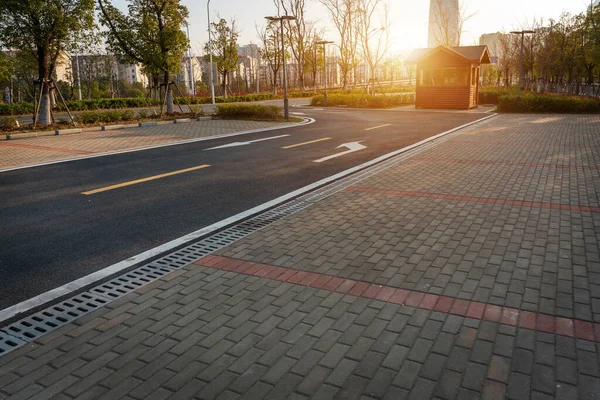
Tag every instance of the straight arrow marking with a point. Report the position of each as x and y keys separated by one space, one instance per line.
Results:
x=237 y=144
x=352 y=147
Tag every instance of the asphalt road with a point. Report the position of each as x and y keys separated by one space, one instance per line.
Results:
x=52 y=233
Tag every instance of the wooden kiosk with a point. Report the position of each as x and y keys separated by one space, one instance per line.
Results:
x=448 y=78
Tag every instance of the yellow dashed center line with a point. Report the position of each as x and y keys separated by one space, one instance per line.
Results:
x=305 y=143
x=150 y=178
x=377 y=127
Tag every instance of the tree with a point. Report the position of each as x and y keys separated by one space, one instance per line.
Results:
x=343 y=14
x=449 y=24
x=224 y=49
x=150 y=34
x=45 y=29
x=375 y=39
x=271 y=49
x=298 y=34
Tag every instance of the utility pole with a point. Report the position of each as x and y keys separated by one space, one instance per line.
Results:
x=522 y=33
x=286 y=107
x=324 y=43
x=212 y=77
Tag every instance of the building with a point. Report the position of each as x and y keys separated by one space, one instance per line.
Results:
x=95 y=66
x=443 y=23
x=492 y=41
x=448 y=78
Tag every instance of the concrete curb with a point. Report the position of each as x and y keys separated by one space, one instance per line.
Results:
x=111 y=127
x=145 y=124
x=13 y=136
x=182 y=121
x=68 y=131
x=204 y=118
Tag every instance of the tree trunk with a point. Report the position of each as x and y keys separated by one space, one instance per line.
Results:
x=224 y=84
x=168 y=94
x=45 y=116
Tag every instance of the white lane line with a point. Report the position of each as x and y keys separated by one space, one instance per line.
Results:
x=307 y=121
x=140 y=258
x=378 y=127
x=298 y=113
x=238 y=144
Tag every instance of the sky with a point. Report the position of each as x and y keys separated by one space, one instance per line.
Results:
x=408 y=17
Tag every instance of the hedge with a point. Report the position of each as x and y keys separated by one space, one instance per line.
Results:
x=93 y=117
x=257 y=112
x=366 y=101
x=531 y=103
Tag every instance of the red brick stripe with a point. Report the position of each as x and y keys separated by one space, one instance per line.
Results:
x=517 y=143
x=472 y=309
x=505 y=163
x=45 y=148
x=517 y=203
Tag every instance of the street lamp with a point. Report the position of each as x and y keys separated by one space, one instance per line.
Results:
x=522 y=33
x=192 y=83
x=212 y=78
x=286 y=107
x=324 y=43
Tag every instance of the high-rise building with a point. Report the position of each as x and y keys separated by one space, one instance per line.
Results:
x=443 y=23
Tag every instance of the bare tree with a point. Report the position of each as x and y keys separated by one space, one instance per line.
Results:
x=271 y=49
x=374 y=34
x=297 y=34
x=344 y=15
x=449 y=22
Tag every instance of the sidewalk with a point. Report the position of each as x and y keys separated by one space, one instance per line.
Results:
x=469 y=271
x=22 y=152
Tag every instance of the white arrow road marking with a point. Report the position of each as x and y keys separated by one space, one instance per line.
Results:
x=237 y=144
x=352 y=147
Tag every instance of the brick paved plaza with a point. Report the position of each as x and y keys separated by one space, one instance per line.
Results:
x=469 y=271
x=21 y=152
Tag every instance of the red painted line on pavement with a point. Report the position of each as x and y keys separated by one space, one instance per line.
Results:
x=517 y=203
x=472 y=309
x=28 y=146
x=505 y=163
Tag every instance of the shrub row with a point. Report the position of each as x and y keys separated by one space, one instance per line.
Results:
x=249 y=111
x=16 y=108
x=531 y=103
x=367 y=101
x=93 y=117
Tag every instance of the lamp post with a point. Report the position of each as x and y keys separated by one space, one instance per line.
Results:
x=286 y=108
x=192 y=83
x=522 y=33
x=212 y=77
x=324 y=43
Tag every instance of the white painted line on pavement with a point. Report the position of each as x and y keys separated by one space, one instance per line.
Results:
x=238 y=144
x=140 y=258
x=352 y=147
x=307 y=121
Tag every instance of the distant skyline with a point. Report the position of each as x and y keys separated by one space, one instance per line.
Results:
x=409 y=18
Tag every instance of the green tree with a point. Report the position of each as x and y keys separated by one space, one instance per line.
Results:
x=44 y=28
x=224 y=49
x=150 y=34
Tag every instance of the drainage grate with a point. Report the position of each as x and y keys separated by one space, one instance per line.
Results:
x=28 y=329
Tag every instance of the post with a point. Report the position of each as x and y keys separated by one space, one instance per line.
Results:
x=325 y=75
x=78 y=77
x=521 y=65
x=286 y=105
x=212 y=78
x=192 y=83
